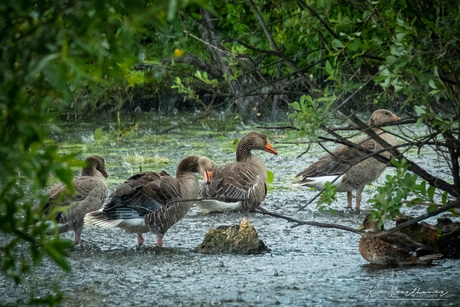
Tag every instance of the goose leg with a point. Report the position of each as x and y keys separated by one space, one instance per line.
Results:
x=349 y=199
x=140 y=240
x=78 y=232
x=359 y=192
x=160 y=240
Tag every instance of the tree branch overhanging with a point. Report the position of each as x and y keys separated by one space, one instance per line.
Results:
x=362 y=233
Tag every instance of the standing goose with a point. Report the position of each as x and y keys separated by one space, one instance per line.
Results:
x=394 y=248
x=340 y=164
x=246 y=179
x=148 y=201
x=68 y=210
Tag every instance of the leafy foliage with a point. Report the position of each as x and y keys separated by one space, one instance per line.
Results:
x=389 y=198
x=50 y=51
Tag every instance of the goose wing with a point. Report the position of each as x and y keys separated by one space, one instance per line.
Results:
x=141 y=194
x=235 y=181
x=339 y=161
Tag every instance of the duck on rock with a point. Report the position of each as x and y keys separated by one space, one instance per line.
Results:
x=69 y=209
x=348 y=168
x=153 y=202
x=241 y=185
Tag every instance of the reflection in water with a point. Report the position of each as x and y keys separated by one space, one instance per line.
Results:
x=307 y=265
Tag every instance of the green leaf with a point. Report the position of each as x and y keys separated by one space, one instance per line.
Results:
x=431 y=208
x=295 y=105
x=431 y=191
x=444 y=198
x=329 y=68
x=270 y=177
x=337 y=44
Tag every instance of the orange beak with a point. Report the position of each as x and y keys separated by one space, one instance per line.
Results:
x=207 y=176
x=270 y=149
x=396 y=117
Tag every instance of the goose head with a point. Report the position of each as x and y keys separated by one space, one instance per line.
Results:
x=382 y=116
x=206 y=168
x=255 y=140
x=92 y=164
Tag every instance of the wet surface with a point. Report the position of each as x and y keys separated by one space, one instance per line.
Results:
x=306 y=265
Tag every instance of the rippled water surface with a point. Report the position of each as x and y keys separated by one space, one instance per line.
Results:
x=306 y=266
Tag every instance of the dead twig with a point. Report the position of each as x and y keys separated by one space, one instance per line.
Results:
x=362 y=233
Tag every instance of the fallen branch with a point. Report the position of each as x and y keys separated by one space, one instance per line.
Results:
x=362 y=233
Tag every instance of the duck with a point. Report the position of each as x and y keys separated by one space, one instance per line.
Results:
x=340 y=167
x=393 y=249
x=241 y=185
x=68 y=209
x=153 y=202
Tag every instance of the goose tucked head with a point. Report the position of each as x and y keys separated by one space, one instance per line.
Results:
x=206 y=168
x=255 y=140
x=382 y=116
x=370 y=224
x=93 y=163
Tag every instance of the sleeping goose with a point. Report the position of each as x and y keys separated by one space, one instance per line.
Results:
x=148 y=201
x=68 y=210
x=339 y=166
x=246 y=179
x=394 y=248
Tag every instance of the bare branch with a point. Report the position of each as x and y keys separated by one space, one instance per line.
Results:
x=367 y=234
x=262 y=24
x=309 y=223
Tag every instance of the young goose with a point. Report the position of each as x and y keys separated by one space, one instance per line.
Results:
x=149 y=201
x=394 y=248
x=90 y=191
x=340 y=164
x=246 y=179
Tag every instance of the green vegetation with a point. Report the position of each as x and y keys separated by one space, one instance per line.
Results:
x=65 y=59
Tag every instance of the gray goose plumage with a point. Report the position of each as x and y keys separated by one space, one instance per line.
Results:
x=90 y=191
x=341 y=163
x=394 y=248
x=146 y=202
x=241 y=185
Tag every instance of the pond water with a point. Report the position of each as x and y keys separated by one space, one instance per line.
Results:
x=306 y=266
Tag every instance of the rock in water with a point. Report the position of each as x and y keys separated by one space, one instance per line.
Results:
x=237 y=239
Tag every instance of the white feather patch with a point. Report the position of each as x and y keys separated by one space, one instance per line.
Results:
x=208 y=206
x=320 y=182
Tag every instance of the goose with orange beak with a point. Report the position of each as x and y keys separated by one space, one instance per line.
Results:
x=241 y=185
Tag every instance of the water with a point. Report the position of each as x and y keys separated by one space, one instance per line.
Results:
x=306 y=266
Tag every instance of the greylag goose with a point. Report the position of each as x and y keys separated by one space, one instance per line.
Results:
x=150 y=201
x=341 y=164
x=90 y=191
x=394 y=248
x=241 y=185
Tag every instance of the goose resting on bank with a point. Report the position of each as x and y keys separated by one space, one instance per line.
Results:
x=90 y=191
x=394 y=248
x=341 y=163
x=148 y=201
x=245 y=179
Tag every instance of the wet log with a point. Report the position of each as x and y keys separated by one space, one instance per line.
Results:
x=237 y=239
x=445 y=235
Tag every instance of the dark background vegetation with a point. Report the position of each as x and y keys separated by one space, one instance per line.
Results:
x=298 y=61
